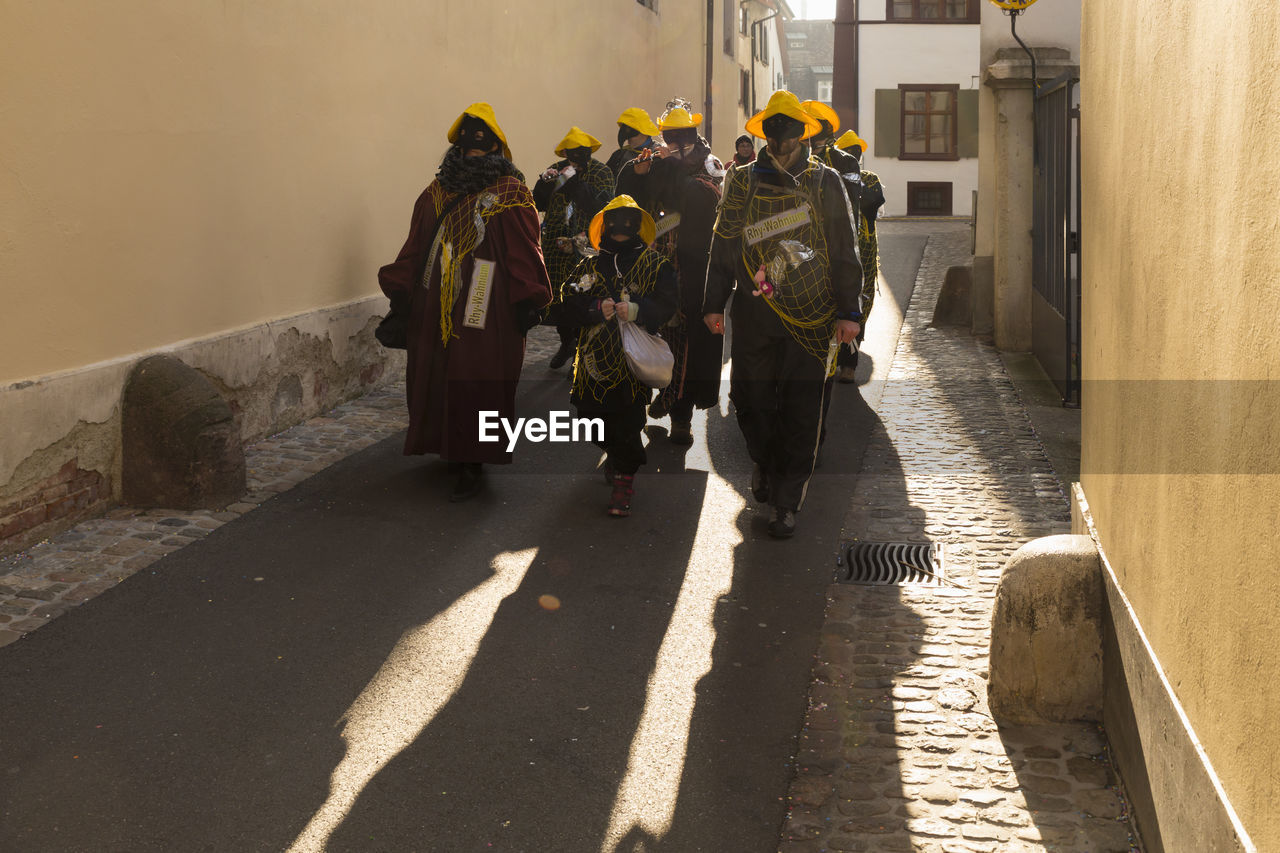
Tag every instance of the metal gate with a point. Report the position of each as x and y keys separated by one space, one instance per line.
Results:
x=1055 y=278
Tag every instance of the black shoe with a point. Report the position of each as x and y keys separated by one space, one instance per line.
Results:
x=658 y=409
x=468 y=484
x=562 y=355
x=783 y=524
x=760 y=484
x=681 y=434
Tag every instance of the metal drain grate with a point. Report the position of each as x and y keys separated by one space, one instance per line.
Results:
x=891 y=564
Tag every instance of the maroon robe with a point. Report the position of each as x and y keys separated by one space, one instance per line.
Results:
x=448 y=386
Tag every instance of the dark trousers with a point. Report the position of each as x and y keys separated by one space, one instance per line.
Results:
x=623 y=436
x=777 y=389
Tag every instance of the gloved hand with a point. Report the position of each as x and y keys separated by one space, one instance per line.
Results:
x=527 y=314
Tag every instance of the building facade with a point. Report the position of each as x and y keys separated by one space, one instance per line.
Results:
x=221 y=182
x=906 y=78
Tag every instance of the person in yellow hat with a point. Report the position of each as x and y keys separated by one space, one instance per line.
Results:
x=466 y=287
x=636 y=132
x=569 y=192
x=870 y=200
x=626 y=282
x=823 y=149
x=785 y=248
x=680 y=186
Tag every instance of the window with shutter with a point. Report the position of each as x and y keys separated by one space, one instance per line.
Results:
x=928 y=114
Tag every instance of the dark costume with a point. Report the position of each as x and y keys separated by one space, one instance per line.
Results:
x=640 y=284
x=603 y=385
x=798 y=227
x=568 y=205
x=626 y=154
x=682 y=195
x=634 y=122
x=866 y=198
x=463 y=360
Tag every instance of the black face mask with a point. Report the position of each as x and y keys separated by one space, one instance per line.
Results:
x=623 y=222
x=578 y=156
x=782 y=127
x=625 y=133
x=820 y=140
x=474 y=133
x=679 y=137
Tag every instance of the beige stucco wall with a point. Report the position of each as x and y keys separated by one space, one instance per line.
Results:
x=174 y=169
x=221 y=179
x=1181 y=355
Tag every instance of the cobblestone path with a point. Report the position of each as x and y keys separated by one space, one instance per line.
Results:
x=899 y=751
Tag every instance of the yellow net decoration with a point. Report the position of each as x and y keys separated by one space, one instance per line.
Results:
x=869 y=252
x=601 y=366
x=781 y=230
x=461 y=232
x=564 y=219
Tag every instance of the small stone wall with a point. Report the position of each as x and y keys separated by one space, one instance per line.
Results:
x=60 y=451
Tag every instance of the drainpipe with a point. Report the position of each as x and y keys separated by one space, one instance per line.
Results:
x=711 y=38
x=844 y=64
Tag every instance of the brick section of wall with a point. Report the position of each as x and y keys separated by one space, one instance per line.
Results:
x=68 y=494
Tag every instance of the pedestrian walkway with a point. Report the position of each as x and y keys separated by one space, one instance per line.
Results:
x=67 y=570
x=899 y=751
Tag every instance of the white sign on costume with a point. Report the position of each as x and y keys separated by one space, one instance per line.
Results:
x=478 y=301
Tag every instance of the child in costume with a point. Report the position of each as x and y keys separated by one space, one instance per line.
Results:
x=627 y=282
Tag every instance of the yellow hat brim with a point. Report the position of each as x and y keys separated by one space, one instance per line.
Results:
x=679 y=119
x=822 y=112
x=639 y=119
x=648 y=231
x=848 y=139
x=577 y=138
x=484 y=112
x=784 y=103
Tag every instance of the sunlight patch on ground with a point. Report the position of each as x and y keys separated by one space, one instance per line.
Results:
x=646 y=799
x=417 y=679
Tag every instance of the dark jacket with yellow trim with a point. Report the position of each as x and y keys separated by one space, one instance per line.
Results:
x=726 y=272
x=597 y=279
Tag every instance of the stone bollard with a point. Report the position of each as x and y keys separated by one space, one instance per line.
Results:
x=955 y=300
x=1046 y=634
x=180 y=446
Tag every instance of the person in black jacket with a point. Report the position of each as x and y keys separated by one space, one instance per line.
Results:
x=785 y=248
x=569 y=192
x=636 y=132
x=627 y=282
x=679 y=184
x=871 y=199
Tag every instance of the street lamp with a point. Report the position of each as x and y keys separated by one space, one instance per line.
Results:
x=1014 y=8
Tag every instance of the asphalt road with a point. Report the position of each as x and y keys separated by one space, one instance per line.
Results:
x=359 y=665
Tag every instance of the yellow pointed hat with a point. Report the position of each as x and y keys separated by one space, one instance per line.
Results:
x=648 y=231
x=639 y=119
x=822 y=112
x=848 y=139
x=484 y=112
x=784 y=103
x=678 y=117
x=576 y=138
